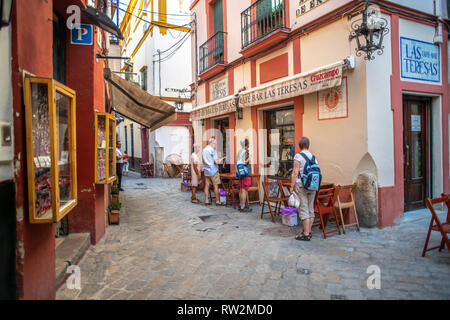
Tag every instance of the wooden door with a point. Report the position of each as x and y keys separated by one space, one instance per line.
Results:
x=415 y=133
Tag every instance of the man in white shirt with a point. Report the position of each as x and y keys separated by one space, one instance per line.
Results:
x=211 y=169
x=119 y=164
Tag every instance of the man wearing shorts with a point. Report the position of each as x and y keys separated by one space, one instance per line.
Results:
x=211 y=169
x=245 y=182
x=306 y=197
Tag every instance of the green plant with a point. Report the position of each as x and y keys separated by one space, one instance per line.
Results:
x=115 y=206
x=114 y=190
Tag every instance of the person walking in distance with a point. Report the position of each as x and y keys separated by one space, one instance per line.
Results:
x=211 y=169
x=305 y=196
x=119 y=164
x=195 y=172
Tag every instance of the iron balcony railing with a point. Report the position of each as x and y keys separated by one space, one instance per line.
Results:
x=212 y=51
x=262 y=18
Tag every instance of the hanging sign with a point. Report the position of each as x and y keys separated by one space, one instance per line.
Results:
x=420 y=60
x=82 y=35
x=308 y=82
x=333 y=103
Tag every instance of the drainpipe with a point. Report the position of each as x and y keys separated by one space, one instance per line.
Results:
x=159 y=71
x=438 y=13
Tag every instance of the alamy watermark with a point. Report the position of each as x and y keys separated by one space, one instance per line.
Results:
x=374 y=280
x=73 y=282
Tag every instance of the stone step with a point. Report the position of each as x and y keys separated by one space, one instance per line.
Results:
x=72 y=249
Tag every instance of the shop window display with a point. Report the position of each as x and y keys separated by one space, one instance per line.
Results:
x=281 y=142
x=105 y=142
x=51 y=149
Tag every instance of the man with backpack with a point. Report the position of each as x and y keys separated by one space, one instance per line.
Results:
x=243 y=172
x=305 y=182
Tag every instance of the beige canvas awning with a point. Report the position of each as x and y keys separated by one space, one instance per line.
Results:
x=136 y=104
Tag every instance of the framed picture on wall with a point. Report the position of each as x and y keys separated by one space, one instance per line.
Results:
x=333 y=103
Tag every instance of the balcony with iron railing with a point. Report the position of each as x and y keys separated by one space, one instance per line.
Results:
x=212 y=55
x=263 y=24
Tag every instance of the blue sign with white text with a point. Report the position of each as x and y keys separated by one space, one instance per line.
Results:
x=420 y=60
x=82 y=35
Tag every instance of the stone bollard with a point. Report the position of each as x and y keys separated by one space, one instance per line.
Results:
x=366 y=198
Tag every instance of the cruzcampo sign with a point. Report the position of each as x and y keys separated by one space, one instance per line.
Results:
x=420 y=60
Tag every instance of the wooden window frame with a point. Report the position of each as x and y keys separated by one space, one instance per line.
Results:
x=57 y=212
x=108 y=177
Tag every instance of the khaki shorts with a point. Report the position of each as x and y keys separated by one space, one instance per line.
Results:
x=214 y=180
x=306 y=208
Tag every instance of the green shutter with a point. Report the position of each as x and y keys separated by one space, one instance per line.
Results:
x=218 y=16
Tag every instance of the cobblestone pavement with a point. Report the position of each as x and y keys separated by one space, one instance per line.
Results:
x=163 y=250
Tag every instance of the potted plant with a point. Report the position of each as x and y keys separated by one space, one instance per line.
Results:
x=114 y=212
x=114 y=194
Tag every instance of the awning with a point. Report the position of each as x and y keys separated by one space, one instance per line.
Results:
x=325 y=77
x=136 y=104
x=321 y=78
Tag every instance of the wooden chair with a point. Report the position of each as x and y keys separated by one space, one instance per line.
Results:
x=254 y=187
x=436 y=225
x=232 y=187
x=347 y=205
x=324 y=206
x=280 y=199
x=167 y=169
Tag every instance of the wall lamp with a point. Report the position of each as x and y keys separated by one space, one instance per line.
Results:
x=5 y=11
x=369 y=32
x=239 y=110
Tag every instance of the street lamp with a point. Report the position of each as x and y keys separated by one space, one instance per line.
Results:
x=369 y=32
x=5 y=11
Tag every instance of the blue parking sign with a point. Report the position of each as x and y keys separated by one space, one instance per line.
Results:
x=83 y=35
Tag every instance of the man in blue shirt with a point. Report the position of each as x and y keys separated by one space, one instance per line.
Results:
x=211 y=169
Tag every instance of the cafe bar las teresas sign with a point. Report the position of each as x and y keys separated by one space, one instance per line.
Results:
x=303 y=6
x=316 y=80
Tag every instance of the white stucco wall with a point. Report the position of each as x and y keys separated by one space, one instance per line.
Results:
x=379 y=113
x=6 y=107
x=174 y=140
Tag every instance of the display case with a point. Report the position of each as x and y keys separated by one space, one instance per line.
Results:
x=51 y=149
x=281 y=141
x=105 y=148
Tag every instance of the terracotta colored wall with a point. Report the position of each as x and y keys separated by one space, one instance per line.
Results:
x=31 y=51
x=275 y=68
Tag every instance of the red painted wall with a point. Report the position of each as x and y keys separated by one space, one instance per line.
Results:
x=31 y=51
x=275 y=68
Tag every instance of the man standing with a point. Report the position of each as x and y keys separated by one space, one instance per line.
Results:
x=195 y=173
x=211 y=169
x=119 y=164
x=306 y=197
x=245 y=182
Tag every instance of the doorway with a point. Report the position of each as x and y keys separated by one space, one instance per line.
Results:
x=223 y=142
x=416 y=151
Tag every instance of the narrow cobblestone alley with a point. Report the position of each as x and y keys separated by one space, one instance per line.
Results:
x=164 y=249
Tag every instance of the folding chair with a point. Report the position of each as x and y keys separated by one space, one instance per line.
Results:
x=347 y=205
x=280 y=199
x=436 y=225
x=254 y=187
x=323 y=206
x=167 y=169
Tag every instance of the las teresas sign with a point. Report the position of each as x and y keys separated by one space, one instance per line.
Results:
x=420 y=60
